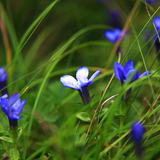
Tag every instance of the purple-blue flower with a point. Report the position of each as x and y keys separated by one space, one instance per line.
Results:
x=156 y=22
x=82 y=79
x=137 y=132
x=113 y=35
x=3 y=81
x=12 y=107
x=123 y=73
x=81 y=82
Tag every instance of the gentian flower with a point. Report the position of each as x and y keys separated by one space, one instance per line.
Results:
x=81 y=84
x=3 y=81
x=12 y=108
x=156 y=22
x=137 y=132
x=114 y=35
x=123 y=73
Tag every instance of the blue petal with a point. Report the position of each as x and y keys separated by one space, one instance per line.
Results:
x=113 y=35
x=135 y=76
x=82 y=73
x=14 y=116
x=156 y=22
x=4 y=105
x=69 y=81
x=94 y=75
x=4 y=96
x=3 y=76
x=144 y=74
x=118 y=71
x=128 y=67
x=21 y=106
x=14 y=101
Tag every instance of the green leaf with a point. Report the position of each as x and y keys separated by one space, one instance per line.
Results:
x=104 y=110
x=13 y=154
x=7 y=139
x=19 y=133
x=83 y=116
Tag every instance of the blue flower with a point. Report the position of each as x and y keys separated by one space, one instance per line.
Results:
x=12 y=107
x=137 y=132
x=82 y=82
x=123 y=73
x=156 y=22
x=113 y=35
x=3 y=81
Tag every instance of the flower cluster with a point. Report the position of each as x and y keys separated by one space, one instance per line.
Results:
x=12 y=107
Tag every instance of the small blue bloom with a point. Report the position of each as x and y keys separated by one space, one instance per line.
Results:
x=113 y=35
x=156 y=22
x=123 y=73
x=82 y=79
x=12 y=107
x=82 y=82
x=3 y=81
x=137 y=132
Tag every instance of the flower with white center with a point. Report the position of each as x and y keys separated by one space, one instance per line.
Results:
x=81 y=82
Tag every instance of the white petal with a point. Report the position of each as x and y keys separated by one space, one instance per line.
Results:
x=82 y=73
x=69 y=81
x=94 y=75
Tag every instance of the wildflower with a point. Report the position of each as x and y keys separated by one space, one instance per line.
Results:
x=137 y=132
x=114 y=35
x=123 y=73
x=3 y=81
x=12 y=108
x=81 y=84
x=156 y=22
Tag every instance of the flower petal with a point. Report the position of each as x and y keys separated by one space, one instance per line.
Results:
x=118 y=71
x=3 y=75
x=144 y=73
x=4 y=105
x=21 y=106
x=135 y=76
x=69 y=81
x=14 y=101
x=127 y=67
x=14 y=116
x=94 y=75
x=156 y=22
x=82 y=72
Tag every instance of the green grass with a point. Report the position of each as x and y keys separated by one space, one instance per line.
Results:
x=56 y=40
